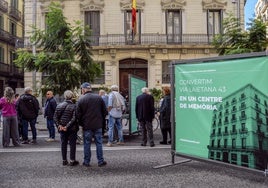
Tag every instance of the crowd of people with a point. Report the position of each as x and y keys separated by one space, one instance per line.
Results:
x=92 y=112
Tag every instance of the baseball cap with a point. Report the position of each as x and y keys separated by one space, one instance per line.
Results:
x=86 y=85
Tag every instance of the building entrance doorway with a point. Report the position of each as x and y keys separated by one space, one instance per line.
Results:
x=137 y=67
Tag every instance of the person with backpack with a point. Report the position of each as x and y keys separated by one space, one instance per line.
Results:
x=116 y=106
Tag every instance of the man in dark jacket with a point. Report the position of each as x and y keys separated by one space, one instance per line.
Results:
x=145 y=114
x=27 y=108
x=91 y=112
x=50 y=107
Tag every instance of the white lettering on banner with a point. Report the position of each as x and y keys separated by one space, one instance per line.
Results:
x=202 y=106
x=191 y=91
x=196 y=82
x=210 y=99
x=198 y=89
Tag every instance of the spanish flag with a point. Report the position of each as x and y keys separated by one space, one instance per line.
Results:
x=134 y=22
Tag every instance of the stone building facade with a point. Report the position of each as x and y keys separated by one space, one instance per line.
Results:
x=261 y=10
x=166 y=30
x=11 y=35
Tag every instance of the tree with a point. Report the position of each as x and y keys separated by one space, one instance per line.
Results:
x=236 y=41
x=257 y=35
x=63 y=53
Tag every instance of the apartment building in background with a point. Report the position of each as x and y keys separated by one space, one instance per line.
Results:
x=261 y=10
x=11 y=36
x=239 y=131
x=166 y=30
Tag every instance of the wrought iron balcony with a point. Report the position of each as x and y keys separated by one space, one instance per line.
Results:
x=4 y=68
x=10 y=70
x=5 y=36
x=150 y=39
x=144 y=39
x=243 y=130
x=232 y=132
x=15 y=13
x=243 y=117
x=3 y=6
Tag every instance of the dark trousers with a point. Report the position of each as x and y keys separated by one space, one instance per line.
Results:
x=147 y=127
x=165 y=133
x=20 y=127
x=25 y=125
x=68 y=136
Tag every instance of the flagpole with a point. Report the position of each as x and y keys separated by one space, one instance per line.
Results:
x=134 y=21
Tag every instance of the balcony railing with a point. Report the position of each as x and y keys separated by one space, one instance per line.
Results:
x=15 y=13
x=3 y=6
x=4 y=35
x=232 y=132
x=7 y=69
x=146 y=39
x=243 y=130
x=4 y=67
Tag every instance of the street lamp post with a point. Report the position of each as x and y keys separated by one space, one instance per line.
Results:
x=34 y=46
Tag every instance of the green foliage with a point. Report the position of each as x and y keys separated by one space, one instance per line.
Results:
x=236 y=41
x=64 y=53
x=257 y=35
x=156 y=93
x=106 y=89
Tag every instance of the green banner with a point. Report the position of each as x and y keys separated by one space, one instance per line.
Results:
x=135 y=84
x=221 y=111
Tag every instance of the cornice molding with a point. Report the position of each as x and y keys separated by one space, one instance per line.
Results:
x=214 y=4
x=92 y=5
x=46 y=3
x=127 y=4
x=173 y=4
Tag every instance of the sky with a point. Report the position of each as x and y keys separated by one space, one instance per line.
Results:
x=249 y=10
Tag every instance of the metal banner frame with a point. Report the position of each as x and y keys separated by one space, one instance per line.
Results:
x=175 y=153
x=131 y=101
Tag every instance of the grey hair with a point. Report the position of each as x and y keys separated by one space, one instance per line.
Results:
x=114 y=88
x=68 y=94
x=27 y=90
x=144 y=90
x=102 y=91
x=9 y=94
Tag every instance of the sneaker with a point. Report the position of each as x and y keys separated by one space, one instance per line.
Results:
x=74 y=163
x=102 y=164
x=33 y=141
x=109 y=144
x=50 y=140
x=25 y=142
x=86 y=165
x=152 y=145
x=120 y=143
x=64 y=162
x=163 y=142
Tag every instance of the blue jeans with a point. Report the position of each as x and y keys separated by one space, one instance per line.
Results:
x=97 y=134
x=117 y=122
x=51 y=128
x=32 y=123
